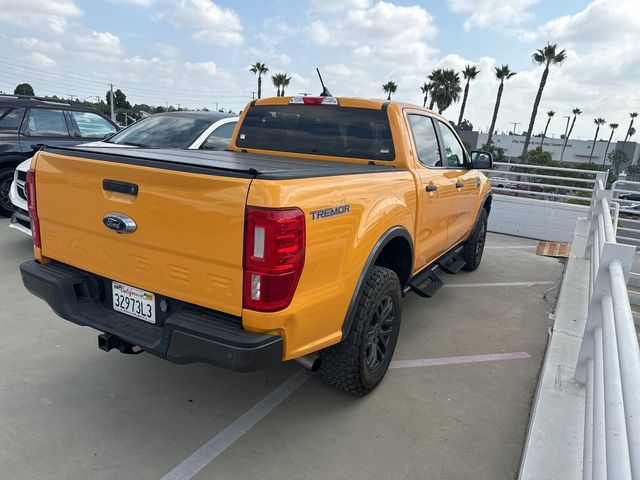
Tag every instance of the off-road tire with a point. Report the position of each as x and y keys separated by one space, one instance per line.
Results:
x=474 y=246
x=345 y=366
x=6 y=178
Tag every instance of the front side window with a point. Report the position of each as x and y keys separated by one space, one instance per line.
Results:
x=92 y=125
x=426 y=141
x=45 y=122
x=453 y=151
x=10 y=119
x=318 y=129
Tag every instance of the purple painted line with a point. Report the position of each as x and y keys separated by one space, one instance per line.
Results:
x=433 y=362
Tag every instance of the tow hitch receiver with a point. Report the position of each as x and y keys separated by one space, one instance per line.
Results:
x=108 y=342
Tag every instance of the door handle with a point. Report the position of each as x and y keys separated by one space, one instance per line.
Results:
x=431 y=188
x=459 y=184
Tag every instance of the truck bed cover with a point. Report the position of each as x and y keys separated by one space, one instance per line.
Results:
x=227 y=163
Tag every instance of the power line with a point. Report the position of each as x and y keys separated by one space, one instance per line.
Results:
x=95 y=82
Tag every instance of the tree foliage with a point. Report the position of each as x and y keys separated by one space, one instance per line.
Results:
x=445 y=88
x=617 y=159
x=390 y=88
x=23 y=89
x=119 y=100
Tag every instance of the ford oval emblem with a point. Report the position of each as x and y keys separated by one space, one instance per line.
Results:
x=119 y=223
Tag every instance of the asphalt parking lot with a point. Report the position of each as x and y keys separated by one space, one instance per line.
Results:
x=455 y=407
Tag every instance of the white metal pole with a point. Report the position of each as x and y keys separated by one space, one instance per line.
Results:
x=599 y=438
x=629 y=358
x=618 y=466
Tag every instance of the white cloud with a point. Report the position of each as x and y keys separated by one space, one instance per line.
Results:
x=99 y=43
x=492 y=13
x=601 y=70
x=140 y=3
x=44 y=13
x=32 y=43
x=334 y=5
x=383 y=33
x=41 y=60
x=208 y=68
x=212 y=24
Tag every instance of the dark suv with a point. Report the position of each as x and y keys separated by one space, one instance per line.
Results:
x=28 y=123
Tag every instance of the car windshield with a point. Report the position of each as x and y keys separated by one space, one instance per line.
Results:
x=162 y=131
x=318 y=129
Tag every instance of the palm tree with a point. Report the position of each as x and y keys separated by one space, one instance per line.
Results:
x=425 y=88
x=259 y=69
x=277 y=82
x=550 y=115
x=469 y=73
x=546 y=56
x=613 y=127
x=445 y=88
x=633 y=116
x=390 y=88
x=599 y=122
x=502 y=73
x=285 y=83
x=576 y=112
x=435 y=79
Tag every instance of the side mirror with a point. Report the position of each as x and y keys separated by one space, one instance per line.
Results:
x=107 y=136
x=481 y=160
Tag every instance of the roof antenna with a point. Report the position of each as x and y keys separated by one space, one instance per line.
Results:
x=325 y=91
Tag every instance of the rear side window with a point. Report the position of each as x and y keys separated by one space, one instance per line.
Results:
x=92 y=125
x=219 y=138
x=424 y=136
x=318 y=129
x=44 y=122
x=10 y=119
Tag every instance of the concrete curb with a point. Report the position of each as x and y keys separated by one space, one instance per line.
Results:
x=554 y=443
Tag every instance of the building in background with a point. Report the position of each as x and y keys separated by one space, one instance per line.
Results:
x=577 y=151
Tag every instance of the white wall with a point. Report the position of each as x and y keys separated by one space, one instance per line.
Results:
x=539 y=219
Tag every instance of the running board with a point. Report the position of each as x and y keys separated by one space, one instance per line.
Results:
x=426 y=283
x=451 y=262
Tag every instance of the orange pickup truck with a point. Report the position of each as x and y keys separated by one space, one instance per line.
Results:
x=297 y=243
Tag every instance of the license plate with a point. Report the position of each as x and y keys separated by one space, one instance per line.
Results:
x=134 y=302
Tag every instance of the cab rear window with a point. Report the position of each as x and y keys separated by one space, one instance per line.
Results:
x=318 y=129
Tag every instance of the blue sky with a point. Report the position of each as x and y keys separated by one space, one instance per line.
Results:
x=196 y=53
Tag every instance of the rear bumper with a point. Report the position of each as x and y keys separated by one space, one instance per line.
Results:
x=185 y=334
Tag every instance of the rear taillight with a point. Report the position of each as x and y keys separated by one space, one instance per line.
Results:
x=274 y=244
x=33 y=207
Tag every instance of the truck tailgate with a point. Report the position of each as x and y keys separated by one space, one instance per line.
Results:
x=189 y=237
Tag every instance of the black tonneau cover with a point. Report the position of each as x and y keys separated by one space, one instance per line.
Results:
x=239 y=164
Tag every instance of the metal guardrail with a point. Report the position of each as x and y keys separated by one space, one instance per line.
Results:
x=552 y=184
x=609 y=360
x=626 y=193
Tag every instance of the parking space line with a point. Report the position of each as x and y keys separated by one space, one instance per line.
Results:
x=208 y=452
x=512 y=247
x=199 y=459
x=499 y=284
x=432 y=362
